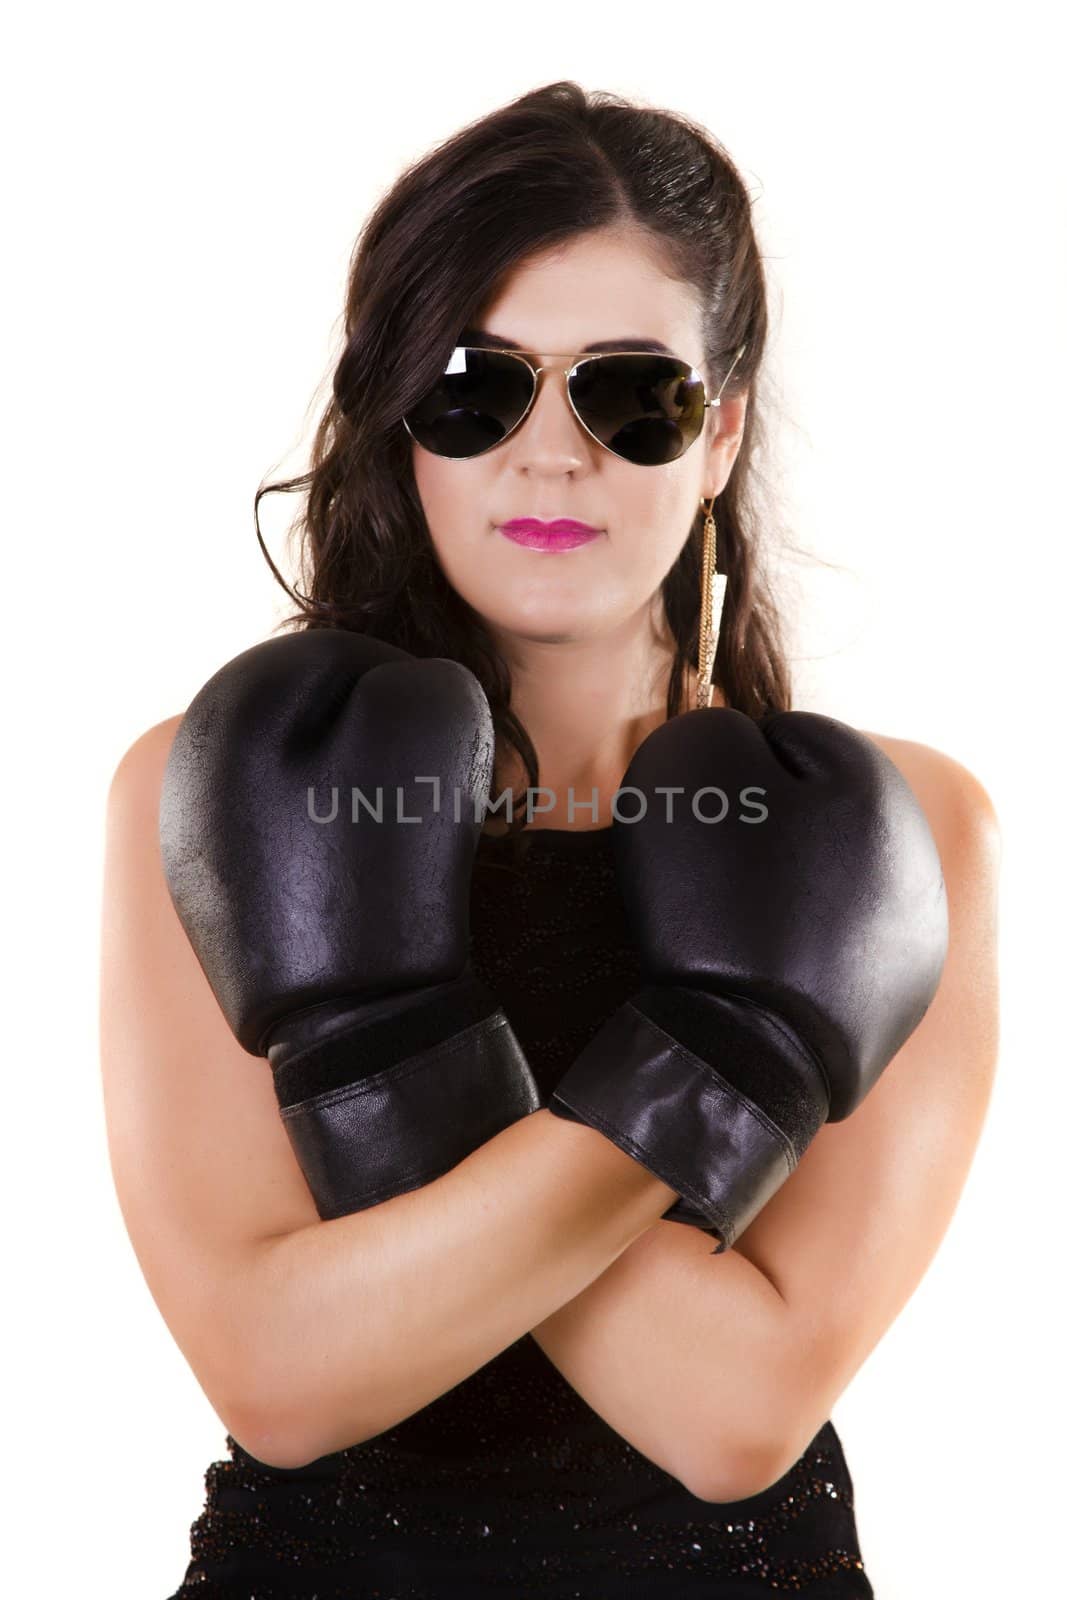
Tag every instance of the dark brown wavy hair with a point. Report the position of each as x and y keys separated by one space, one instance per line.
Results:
x=556 y=163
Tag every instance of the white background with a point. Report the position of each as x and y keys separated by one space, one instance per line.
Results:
x=183 y=187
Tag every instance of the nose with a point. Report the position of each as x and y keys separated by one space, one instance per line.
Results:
x=551 y=436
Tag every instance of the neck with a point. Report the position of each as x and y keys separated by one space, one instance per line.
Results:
x=587 y=704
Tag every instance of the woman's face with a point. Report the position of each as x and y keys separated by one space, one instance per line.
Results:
x=605 y=285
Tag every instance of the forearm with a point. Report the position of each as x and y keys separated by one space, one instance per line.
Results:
x=357 y=1323
x=680 y=1351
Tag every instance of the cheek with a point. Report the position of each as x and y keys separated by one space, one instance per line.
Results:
x=659 y=515
x=455 y=506
x=438 y=484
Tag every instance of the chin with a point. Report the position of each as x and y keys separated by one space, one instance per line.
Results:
x=534 y=633
x=537 y=623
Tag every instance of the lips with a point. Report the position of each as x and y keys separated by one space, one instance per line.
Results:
x=562 y=533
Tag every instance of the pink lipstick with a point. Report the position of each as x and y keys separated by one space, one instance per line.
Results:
x=561 y=534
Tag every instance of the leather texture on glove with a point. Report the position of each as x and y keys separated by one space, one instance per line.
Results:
x=788 y=951
x=339 y=948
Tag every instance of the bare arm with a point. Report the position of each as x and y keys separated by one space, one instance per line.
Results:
x=373 y=1316
x=309 y=1336
x=680 y=1351
x=734 y=1362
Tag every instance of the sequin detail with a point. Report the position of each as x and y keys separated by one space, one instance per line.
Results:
x=510 y=1484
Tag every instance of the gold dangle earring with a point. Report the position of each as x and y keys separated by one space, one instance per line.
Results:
x=712 y=594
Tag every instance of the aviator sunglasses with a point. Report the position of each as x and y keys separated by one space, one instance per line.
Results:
x=643 y=406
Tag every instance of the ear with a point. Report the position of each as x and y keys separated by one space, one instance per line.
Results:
x=723 y=441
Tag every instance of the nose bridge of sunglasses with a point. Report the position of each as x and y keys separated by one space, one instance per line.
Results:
x=552 y=372
x=550 y=367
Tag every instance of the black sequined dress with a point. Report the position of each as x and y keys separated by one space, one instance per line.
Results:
x=510 y=1484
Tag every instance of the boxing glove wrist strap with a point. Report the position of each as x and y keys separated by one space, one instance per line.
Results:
x=723 y=1127
x=384 y=1099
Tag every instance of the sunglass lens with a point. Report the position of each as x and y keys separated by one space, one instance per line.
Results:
x=647 y=409
x=477 y=401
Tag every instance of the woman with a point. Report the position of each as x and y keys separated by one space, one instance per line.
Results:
x=526 y=1343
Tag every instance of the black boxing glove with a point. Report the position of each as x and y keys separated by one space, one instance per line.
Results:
x=787 y=953
x=339 y=948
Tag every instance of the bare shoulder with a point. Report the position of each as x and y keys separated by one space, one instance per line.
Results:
x=143 y=761
x=957 y=804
